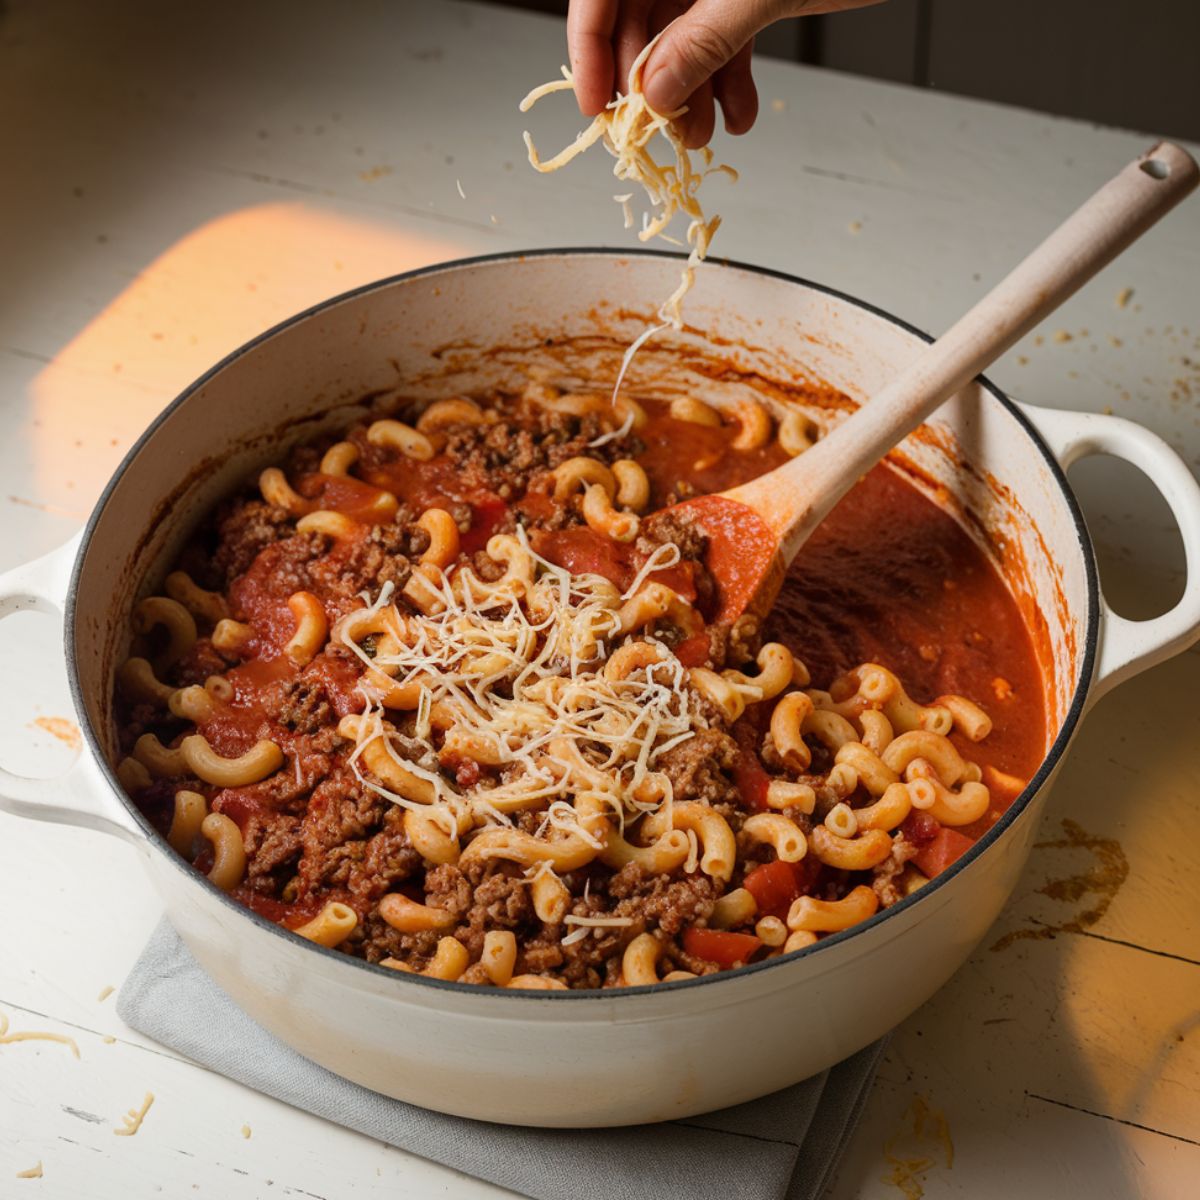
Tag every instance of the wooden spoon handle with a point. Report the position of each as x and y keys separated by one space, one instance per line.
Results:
x=799 y=495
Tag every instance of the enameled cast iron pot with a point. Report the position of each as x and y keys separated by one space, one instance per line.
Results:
x=643 y=1054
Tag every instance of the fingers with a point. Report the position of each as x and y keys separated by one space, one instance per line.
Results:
x=811 y=8
x=633 y=32
x=590 y=26
x=698 y=122
x=734 y=88
x=702 y=41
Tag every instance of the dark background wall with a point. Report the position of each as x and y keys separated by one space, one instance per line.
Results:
x=1132 y=63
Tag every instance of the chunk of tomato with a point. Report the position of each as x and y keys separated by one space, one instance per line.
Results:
x=694 y=651
x=774 y=886
x=720 y=946
x=486 y=516
x=947 y=847
x=751 y=780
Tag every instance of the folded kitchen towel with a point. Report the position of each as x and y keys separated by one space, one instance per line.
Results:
x=782 y=1147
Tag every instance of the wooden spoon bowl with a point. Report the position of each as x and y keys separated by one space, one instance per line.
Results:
x=756 y=530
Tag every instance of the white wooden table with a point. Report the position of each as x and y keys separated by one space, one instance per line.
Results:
x=170 y=191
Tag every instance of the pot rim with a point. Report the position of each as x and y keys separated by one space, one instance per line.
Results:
x=582 y=995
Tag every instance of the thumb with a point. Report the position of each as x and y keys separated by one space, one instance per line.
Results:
x=698 y=44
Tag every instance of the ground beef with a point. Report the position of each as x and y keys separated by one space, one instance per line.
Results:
x=699 y=769
x=366 y=567
x=503 y=457
x=744 y=638
x=244 y=528
x=663 y=905
x=305 y=707
x=483 y=896
x=447 y=888
x=341 y=817
x=662 y=902
x=593 y=961
x=486 y=567
x=280 y=570
x=885 y=877
x=659 y=528
x=314 y=701
x=668 y=526
x=500 y=901
x=388 y=859
x=273 y=842
x=380 y=941
x=201 y=661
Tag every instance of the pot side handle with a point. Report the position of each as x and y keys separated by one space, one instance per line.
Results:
x=1128 y=647
x=77 y=796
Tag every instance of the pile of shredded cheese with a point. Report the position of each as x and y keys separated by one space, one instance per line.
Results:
x=626 y=127
x=521 y=670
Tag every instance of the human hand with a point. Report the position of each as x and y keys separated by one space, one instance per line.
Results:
x=705 y=56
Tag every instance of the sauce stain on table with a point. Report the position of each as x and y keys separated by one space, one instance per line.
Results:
x=62 y=728
x=1102 y=881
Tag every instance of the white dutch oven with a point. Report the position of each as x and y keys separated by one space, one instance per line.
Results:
x=644 y=1054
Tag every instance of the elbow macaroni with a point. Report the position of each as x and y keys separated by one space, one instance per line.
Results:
x=331 y=926
x=496 y=793
x=229 y=853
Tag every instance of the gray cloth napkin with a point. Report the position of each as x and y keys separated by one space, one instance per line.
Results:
x=781 y=1147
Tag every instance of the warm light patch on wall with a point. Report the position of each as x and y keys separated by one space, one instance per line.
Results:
x=213 y=290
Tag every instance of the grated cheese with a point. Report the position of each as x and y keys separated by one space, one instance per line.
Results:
x=519 y=669
x=626 y=127
x=7 y=1038
x=598 y=922
x=666 y=555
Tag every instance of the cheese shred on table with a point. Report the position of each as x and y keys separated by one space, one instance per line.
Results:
x=132 y=1120
x=626 y=127
x=7 y=1038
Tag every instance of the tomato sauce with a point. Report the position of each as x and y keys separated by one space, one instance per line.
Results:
x=890 y=577
x=345 y=494
x=698 y=457
x=438 y=483
x=580 y=550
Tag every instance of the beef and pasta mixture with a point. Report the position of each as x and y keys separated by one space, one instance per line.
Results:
x=448 y=694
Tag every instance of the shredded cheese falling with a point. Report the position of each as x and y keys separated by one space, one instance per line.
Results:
x=520 y=670
x=625 y=128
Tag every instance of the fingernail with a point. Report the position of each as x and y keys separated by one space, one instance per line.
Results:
x=661 y=90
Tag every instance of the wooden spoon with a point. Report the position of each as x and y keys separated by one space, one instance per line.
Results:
x=755 y=531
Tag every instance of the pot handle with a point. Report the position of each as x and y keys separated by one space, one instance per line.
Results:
x=1128 y=647
x=77 y=796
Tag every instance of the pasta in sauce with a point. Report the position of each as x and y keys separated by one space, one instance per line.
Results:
x=449 y=694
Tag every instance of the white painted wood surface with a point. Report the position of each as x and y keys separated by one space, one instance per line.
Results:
x=172 y=189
